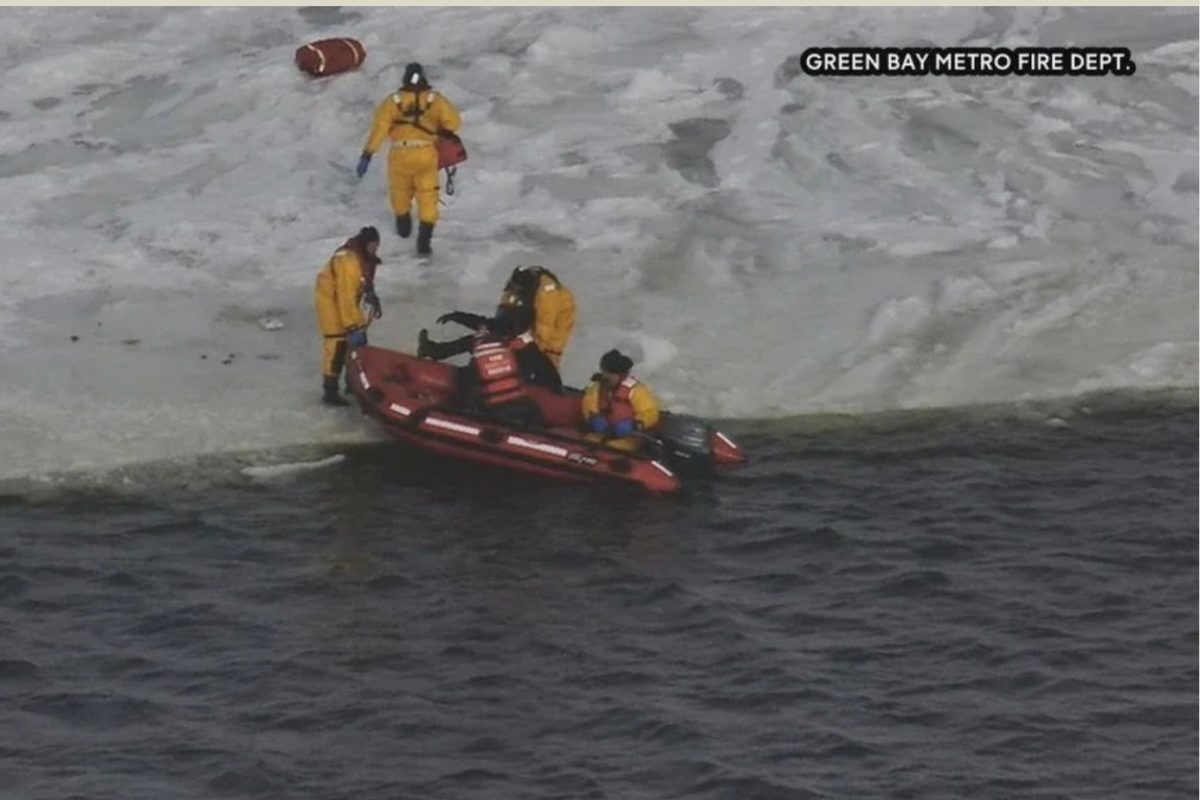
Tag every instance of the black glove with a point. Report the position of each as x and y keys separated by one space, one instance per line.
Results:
x=451 y=317
x=372 y=300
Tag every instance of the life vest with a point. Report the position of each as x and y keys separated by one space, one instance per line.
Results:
x=616 y=405
x=499 y=375
x=412 y=115
x=449 y=147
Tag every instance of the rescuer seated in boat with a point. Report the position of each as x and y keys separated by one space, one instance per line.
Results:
x=617 y=406
x=493 y=383
x=536 y=368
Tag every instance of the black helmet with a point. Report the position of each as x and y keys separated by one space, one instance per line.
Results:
x=616 y=363
x=414 y=77
x=368 y=234
x=524 y=277
x=521 y=287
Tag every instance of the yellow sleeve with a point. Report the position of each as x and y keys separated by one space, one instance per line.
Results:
x=385 y=117
x=348 y=286
x=446 y=115
x=591 y=401
x=554 y=317
x=645 y=406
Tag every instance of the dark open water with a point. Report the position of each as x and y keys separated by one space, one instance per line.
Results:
x=936 y=609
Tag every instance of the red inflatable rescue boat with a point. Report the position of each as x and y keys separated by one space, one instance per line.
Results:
x=414 y=400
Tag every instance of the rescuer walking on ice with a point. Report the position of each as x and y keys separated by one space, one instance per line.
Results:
x=412 y=117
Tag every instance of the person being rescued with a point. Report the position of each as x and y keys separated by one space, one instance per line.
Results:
x=553 y=306
x=343 y=285
x=412 y=118
x=536 y=368
x=617 y=406
x=496 y=381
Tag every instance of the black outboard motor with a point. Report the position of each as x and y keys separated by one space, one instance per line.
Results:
x=685 y=442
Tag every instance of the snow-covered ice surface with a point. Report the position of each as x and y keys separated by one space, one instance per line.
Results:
x=766 y=243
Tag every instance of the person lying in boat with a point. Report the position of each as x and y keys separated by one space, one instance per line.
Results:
x=617 y=406
x=494 y=382
x=536 y=368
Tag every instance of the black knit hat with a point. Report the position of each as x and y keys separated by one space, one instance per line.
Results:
x=614 y=362
x=368 y=234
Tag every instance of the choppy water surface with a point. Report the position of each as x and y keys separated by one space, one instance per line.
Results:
x=940 y=609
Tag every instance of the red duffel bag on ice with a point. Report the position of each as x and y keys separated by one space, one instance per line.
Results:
x=330 y=56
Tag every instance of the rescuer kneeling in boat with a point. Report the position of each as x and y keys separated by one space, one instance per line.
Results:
x=616 y=406
x=495 y=382
x=552 y=304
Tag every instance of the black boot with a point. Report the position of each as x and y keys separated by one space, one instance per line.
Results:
x=440 y=351
x=424 y=239
x=331 y=397
x=404 y=225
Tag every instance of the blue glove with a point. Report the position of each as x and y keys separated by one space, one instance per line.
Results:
x=364 y=161
x=598 y=424
x=625 y=427
x=356 y=339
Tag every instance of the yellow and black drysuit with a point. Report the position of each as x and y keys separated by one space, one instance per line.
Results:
x=342 y=285
x=616 y=412
x=412 y=119
x=552 y=304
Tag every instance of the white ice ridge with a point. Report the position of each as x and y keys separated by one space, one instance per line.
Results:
x=763 y=242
